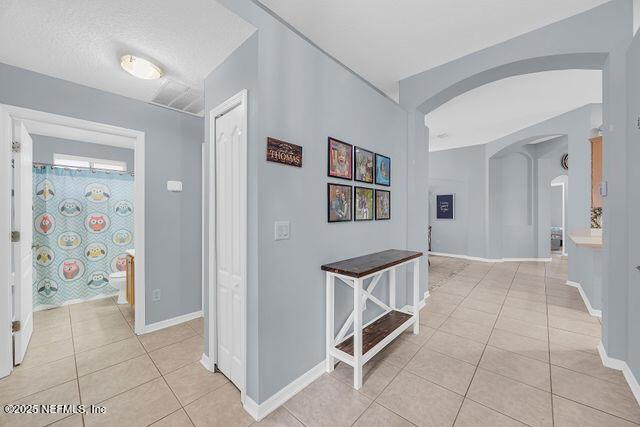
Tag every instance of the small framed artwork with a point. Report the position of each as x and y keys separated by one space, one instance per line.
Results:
x=363 y=165
x=340 y=159
x=383 y=170
x=339 y=199
x=383 y=204
x=445 y=206
x=363 y=203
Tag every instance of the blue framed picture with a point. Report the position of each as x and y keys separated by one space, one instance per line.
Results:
x=383 y=170
x=445 y=206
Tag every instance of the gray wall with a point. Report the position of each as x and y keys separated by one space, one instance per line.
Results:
x=462 y=172
x=172 y=152
x=44 y=147
x=572 y=43
x=306 y=97
x=503 y=189
x=632 y=287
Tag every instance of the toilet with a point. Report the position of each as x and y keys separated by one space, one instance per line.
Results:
x=118 y=280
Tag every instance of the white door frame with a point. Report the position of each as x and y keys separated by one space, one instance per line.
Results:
x=233 y=102
x=58 y=126
x=564 y=213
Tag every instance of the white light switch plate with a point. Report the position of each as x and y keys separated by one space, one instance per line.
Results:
x=604 y=188
x=174 y=186
x=282 y=230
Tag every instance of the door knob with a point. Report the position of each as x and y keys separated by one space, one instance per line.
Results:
x=638 y=267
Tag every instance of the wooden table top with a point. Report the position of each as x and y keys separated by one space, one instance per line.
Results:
x=367 y=264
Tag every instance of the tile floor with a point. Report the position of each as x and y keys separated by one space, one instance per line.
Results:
x=500 y=345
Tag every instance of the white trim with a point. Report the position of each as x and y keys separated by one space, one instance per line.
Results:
x=202 y=238
x=172 y=322
x=206 y=362
x=74 y=301
x=564 y=213
x=620 y=365
x=494 y=260
x=592 y=311
x=241 y=98
x=6 y=248
x=259 y=411
x=55 y=125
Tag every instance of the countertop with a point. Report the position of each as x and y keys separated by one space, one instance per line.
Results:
x=587 y=238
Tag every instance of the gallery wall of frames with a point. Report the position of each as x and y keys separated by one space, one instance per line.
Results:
x=357 y=202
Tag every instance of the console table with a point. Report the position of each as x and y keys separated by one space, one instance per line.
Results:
x=367 y=340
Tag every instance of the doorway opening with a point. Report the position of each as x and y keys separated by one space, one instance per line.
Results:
x=42 y=267
x=559 y=188
x=227 y=258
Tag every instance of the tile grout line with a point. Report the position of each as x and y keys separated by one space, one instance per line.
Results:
x=477 y=366
x=402 y=368
x=546 y=299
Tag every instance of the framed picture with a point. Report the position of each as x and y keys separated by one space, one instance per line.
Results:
x=363 y=203
x=383 y=170
x=363 y=165
x=445 y=206
x=340 y=159
x=339 y=199
x=383 y=204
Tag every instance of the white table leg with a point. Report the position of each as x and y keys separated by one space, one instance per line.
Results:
x=330 y=325
x=392 y=288
x=357 y=333
x=416 y=298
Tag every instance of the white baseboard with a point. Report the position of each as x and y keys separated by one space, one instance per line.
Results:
x=172 y=322
x=73 y=301
x=206 y=362
x=620 y=365
x=259 y=411
x=592 y=311
x=473 y=258
x=470 y=258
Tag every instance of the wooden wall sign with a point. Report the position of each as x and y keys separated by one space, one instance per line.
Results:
x=283 y=152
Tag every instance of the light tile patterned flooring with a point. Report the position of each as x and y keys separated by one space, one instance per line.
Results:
x=500 y=345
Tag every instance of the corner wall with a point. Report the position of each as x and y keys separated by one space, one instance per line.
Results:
x=304 y=96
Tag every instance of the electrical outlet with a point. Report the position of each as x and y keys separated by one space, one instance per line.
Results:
x=155 y=295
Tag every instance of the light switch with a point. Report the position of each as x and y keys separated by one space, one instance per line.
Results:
x=604 y=188
x=282 y=230
x=174 y=186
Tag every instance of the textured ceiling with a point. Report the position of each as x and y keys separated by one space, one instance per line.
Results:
x=506 y=106
x=81 y=40
x=385 y=41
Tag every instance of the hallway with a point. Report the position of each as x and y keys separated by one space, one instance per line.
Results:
x=503 y=344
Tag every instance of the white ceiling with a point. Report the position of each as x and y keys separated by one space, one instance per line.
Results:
x=506 y=106
x=81 y=41
x=385 y=41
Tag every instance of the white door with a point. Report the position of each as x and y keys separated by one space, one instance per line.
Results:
x=22 y=251
x=230 y=177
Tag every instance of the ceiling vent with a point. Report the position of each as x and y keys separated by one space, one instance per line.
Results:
x=178 y=96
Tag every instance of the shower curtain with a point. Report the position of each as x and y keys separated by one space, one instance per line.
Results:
x=83 y=224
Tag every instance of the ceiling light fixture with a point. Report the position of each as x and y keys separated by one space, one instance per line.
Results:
x=140 y=67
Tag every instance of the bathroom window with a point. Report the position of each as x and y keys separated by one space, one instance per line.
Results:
x=70 y=161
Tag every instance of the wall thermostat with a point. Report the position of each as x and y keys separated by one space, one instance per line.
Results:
x=174 y=186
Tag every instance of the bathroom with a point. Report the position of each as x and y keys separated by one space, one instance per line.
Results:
x=83 y=234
